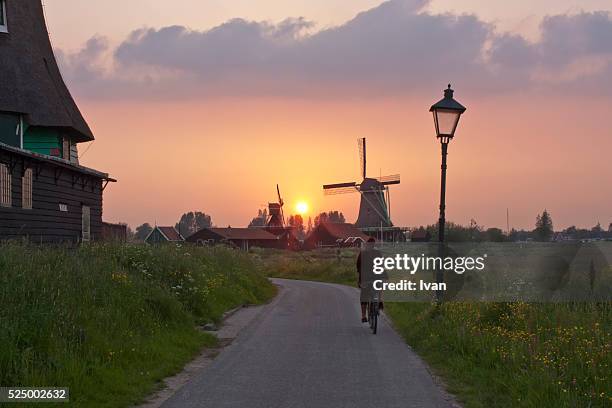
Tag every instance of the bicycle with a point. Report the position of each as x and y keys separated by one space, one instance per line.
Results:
x=374 y=311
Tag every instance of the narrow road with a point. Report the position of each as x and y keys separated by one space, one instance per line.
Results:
x=308 y=348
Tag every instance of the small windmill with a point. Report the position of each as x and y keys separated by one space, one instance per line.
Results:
x=375 y=209
x=276 y=217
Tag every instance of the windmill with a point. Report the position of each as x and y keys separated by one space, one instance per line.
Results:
x=375 y=209
x=276 y=217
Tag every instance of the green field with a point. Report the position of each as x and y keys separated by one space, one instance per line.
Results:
x=111 y=321
x=504 y=354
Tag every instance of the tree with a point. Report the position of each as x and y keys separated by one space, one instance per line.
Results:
x=495 y=235
x=297 y=222
x=336 y=217
x=331 y=216
x=309 y=228
x=192 y=222
x=544 y=227
x=610 y=228
x=143 y=231
x=597 y=231
x=260 y=220
x=475 y=231
x=320 y=219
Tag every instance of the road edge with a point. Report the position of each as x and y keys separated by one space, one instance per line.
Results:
x=170 y=385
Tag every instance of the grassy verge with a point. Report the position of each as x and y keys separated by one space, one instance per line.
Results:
x=111 y=321
x=492 y=354
x=514 y=354
x=326 y=265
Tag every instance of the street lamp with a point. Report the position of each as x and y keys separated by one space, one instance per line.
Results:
x=446 y=113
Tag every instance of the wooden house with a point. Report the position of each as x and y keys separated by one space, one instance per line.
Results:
x=114 y=232
x=163 y=235
x=243 y=238
x=330 y=234
x=45 y=194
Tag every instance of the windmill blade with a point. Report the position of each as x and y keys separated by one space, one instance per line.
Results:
x=338 y=185
x=341 y=188
x=281 y=203
x=388 y=180
x=344 y=190
x=388 y=204
x=280 y=200
x=361 y=142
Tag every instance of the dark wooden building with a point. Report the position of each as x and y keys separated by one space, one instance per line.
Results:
x=330 y=234
x=243 y=238
x=45 y=194
x=163 y=235
x=287 y=236
x=114 y=232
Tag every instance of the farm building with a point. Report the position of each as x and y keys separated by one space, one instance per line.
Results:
x=288 y=237
x=114 y=232
x=329 y=234
x=163 y=235
x=45 y=194
x=243 y=238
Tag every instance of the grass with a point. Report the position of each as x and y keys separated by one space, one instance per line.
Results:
x=111 y=321
x=514 y=354
x=510 y=354
x=326 y=265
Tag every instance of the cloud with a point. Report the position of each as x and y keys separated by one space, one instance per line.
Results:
x=393 y=49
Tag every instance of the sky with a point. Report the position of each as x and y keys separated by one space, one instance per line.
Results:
x=207 y=105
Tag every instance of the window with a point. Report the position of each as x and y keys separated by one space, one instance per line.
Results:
x=5 y=187
x=26 y=190
x=3 y=25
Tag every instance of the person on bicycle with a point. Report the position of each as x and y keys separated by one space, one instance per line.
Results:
x=366 y=276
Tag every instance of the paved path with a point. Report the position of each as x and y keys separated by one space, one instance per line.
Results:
x=309 y=349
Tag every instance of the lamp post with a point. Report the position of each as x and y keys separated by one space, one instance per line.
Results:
x=446 y=113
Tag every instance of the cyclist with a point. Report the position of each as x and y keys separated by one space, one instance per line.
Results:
x=366 y=276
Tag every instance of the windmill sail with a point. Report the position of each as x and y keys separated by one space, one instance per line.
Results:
x=374 y=208
x=389 y=180
x=362 y=156
x=282 y=204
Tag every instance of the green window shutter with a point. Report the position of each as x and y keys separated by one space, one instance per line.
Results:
x=43 y=141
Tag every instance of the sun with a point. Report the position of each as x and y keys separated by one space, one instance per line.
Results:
x=301 y=207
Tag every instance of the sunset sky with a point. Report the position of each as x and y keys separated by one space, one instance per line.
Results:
x=207 y=105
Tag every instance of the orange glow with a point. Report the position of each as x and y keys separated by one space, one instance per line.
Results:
x=301 y=207
x=224 y=157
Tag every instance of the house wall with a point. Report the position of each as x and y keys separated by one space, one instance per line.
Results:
x=156 y=237
x=204 y=235
x=45 y=223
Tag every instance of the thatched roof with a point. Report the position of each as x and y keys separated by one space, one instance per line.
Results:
x=30 y=80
